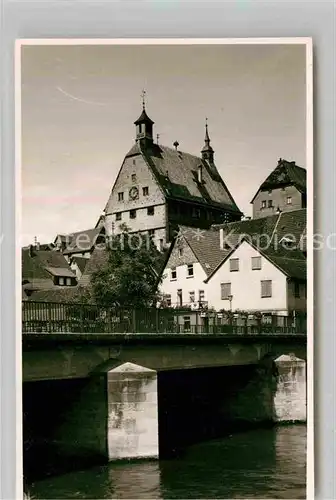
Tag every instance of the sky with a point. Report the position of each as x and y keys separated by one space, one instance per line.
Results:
x=79 y=104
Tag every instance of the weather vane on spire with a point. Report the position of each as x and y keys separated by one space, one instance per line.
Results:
x=143 y=95
x=206 y=122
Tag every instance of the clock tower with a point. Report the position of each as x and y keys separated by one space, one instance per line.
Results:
x=144 y=126
x=159 y=188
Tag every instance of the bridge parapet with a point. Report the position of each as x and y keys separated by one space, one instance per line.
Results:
x=49 y=317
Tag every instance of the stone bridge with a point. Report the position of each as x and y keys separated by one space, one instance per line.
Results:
x=48 y=356
x=100 y=397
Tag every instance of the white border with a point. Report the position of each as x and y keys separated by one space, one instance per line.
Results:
x=310 y=475
x=18 y=275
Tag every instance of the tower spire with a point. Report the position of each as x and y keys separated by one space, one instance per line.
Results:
x=207 y=151
x=143 y=97
x=144 y=125
x=207 y=138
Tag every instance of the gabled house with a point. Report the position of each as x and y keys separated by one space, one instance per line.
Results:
x=45 y=270
x=81 y=243
x=284 y=190
x=254 y=280
x=248 y=265
x=160 y=187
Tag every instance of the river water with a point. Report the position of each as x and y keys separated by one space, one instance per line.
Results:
x=267 y=463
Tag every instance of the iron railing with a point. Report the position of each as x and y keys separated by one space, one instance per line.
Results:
x=54 y=317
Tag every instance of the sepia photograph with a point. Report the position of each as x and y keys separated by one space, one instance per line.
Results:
x=166 y=267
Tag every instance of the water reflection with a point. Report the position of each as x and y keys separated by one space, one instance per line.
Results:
x=135 y=480
x=257 y=464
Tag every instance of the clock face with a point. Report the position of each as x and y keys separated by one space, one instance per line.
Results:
x=134 y=193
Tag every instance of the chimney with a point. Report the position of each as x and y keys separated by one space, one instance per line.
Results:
x=221 y=239
x=199 y=174
x=176 y=145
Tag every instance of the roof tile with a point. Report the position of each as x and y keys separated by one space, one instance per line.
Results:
x=176 y=172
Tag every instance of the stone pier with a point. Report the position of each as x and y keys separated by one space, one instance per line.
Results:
x=125 y=410
x=290 y=399
x=133 y=427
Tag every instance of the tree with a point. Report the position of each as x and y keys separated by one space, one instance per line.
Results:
x=132 y=273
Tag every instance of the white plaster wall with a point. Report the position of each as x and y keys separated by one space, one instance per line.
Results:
x=142 y=222
x=290 y=401
x=246 y=286
x=144 y=178
x=184 y=282
x=133 y=430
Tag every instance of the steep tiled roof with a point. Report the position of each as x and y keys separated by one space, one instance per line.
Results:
x=61 y=271
x=83 y=241
x=206 y=247
x=135 y=150
x=36 y=266
x=176 y=173
x=293 y=265
x=212 y=247
x=67 y=294
x=286 y=173
x=294 y=268
x=269 y=231
x=39 y=269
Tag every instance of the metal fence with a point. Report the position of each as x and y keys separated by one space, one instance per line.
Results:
x=57 y=317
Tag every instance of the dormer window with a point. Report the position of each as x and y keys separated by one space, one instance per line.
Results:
x=199 y=174
x=64 y=281
x=288 y=242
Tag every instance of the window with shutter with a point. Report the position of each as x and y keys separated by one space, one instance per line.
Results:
x=256 y=263
x=234 y=264
x=225 y=291
x=266 y=288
